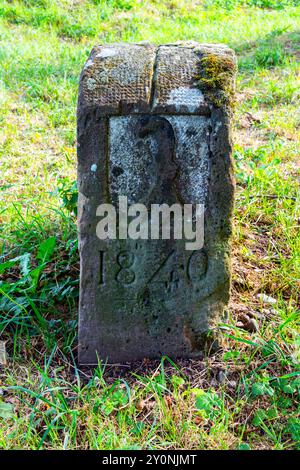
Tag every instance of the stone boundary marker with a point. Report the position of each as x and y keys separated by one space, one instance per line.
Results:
x=154 y=125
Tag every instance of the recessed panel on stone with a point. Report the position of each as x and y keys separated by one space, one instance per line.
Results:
x=156 y=139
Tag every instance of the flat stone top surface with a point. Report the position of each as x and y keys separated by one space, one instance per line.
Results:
x=142 y=78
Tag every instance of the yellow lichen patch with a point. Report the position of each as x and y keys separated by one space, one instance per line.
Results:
x=217 y=78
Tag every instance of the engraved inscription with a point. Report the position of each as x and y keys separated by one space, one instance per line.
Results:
x=197 y=266
x=125 y=261
x=101 y=270
x=160 y=267
x=168 y=273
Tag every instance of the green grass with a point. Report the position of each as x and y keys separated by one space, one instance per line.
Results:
x=247 y=396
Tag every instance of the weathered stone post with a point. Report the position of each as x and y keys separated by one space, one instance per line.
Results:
x=154 y=125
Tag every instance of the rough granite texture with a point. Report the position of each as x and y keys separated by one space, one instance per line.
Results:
x=153 y=125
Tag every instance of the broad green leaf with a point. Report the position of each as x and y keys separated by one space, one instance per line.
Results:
x=209 y=403
x=7 y=265
x=25 y=264
x=293 y=428
x=292 y=387
x=263 y=415
x=23 y=261
x=243 y=446
x=259 y=417
x=46 y=249
x=6 y=410
x=262 y=388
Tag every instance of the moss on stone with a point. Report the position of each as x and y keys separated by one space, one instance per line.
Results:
x=217 y=79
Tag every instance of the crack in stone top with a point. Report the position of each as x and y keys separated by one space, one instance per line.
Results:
x=176 y=88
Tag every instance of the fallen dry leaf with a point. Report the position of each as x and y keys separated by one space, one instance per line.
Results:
x=168 y=401
x=141 y=405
